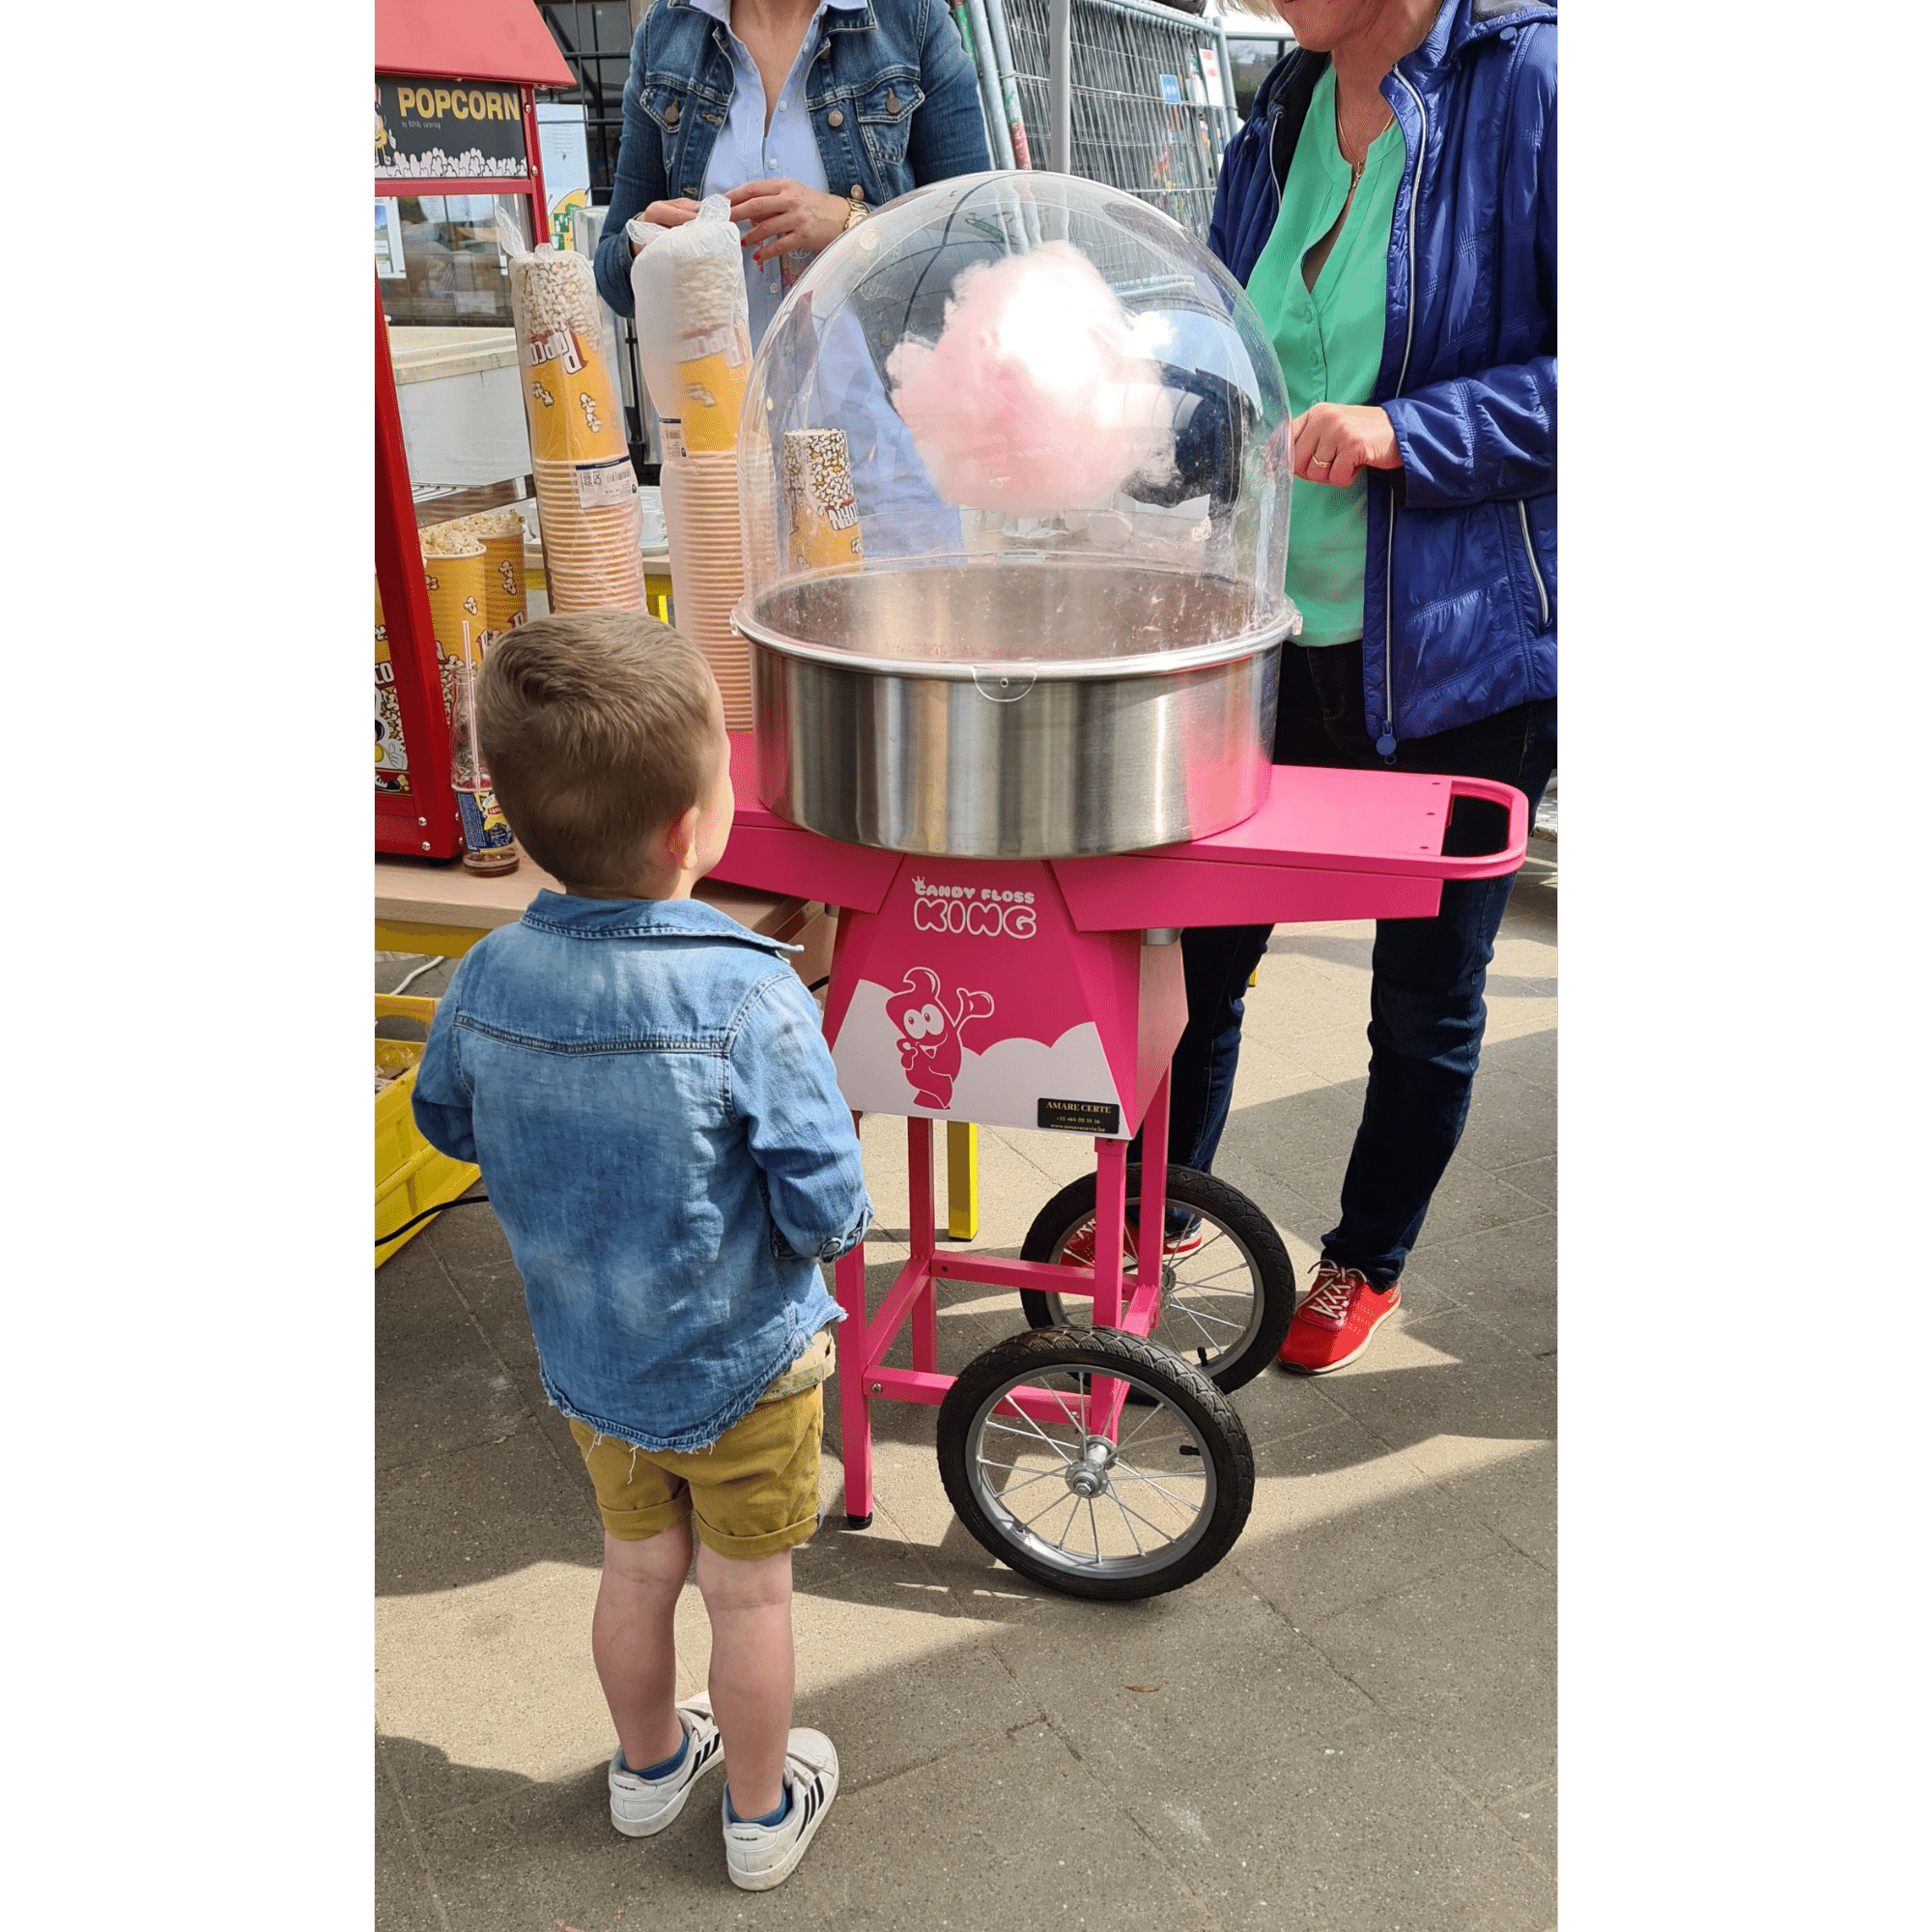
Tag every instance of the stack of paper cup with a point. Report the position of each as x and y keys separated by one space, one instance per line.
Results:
x=587 y=489
x=707 y=568
x=694 y=324
x=592 y=535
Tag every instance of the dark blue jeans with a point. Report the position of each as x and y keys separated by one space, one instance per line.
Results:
x=1426 y=1008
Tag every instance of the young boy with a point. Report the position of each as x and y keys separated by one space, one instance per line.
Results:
x=646 y=1087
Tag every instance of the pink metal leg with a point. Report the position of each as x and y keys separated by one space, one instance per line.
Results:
x=855 y=1405
x=924 y=1240
x=1143 y=1308
x=1110 y=1219
x=1110 y=1229
x=1153 y=1167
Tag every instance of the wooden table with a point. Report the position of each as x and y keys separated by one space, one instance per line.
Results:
x=423 y=907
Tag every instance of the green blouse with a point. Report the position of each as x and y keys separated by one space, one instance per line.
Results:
x=1329 y=339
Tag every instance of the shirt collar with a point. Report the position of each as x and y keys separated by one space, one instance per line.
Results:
x=577 y=918
x=720 y=9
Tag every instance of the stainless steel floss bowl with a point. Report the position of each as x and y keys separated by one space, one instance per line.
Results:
x=1013 y=706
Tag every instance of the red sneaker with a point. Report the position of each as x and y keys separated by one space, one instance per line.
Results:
x=1335 y=1323
x=1080 y=1245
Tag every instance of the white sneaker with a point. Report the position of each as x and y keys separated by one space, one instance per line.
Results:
x=759 y=1856
x=643 y=1806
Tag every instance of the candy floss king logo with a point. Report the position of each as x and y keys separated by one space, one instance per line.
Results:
x=985 y=912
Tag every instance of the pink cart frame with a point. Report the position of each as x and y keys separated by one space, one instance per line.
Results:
x=1326 y=845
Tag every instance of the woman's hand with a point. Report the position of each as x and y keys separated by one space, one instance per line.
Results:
x=668 y=214
x=785 y=216
x=1331 y=441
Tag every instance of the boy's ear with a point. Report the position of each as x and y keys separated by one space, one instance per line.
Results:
x=681 y=837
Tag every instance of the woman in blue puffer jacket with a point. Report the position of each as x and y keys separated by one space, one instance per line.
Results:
x=808 y=113
x=1391 y=208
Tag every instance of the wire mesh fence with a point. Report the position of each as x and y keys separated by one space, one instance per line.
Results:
x=1151 y=112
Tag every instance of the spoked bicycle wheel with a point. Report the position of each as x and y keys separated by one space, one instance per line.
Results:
x=1146 y=1512
x=1226 y=1298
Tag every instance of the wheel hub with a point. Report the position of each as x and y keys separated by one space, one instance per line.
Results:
x=1088 y=1477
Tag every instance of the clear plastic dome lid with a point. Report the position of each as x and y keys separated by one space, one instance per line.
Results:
x=999 y=382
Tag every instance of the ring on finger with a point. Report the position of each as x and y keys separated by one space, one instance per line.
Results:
x=1321 y=463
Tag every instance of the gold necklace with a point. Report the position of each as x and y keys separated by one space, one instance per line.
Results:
x=1355 y=167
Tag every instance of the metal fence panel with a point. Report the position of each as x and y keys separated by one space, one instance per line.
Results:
x=1139 y=118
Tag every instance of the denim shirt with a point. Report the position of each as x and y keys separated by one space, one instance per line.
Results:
x=649 y=1092
x=893 y=100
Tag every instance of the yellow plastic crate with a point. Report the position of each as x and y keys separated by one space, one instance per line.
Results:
x=411 y=1174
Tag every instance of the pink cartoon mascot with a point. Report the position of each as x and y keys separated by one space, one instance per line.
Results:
x=928 y=1042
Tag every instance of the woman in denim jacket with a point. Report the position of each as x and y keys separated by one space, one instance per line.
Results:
x=808 y=113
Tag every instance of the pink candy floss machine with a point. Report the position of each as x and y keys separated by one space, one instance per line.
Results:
x=1019 y=748
x=1096 y=1451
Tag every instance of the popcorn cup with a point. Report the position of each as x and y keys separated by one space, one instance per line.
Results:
x=457 y=593
x=505 y=599
x=824 y=513
x=457 y=587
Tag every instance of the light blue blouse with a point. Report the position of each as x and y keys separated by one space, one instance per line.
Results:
x=747 y=151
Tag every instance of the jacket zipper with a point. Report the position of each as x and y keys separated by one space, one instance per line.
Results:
x=1386 y=743
x=1274 y=128
x=1529 y=551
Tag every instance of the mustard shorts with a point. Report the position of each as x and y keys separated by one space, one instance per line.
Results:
x=754 y=1492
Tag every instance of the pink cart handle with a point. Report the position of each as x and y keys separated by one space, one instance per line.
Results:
x=1491 y=865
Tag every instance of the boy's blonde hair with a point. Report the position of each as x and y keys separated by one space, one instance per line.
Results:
x=599 y=729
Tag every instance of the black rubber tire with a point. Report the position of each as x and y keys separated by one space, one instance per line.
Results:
x=1185 y=1188
x=1105 y=1351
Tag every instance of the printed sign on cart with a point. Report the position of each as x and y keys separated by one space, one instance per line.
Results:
x=968 y=1003
x=448 y=130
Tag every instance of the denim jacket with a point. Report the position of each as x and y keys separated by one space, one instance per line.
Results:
x=894 y=104
x=649 y=1092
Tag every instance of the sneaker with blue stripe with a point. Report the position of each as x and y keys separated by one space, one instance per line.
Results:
x=643 y=1806
x=759 y=1857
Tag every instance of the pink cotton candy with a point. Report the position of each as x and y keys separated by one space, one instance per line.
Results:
x=1033 y=401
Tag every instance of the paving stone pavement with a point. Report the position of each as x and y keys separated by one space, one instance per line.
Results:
x=1348 y=1725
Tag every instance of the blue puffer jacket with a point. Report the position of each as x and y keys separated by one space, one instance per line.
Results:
x=1459 y=609
x=893 y=97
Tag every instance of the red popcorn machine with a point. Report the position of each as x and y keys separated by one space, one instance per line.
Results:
x=458 y=190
